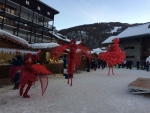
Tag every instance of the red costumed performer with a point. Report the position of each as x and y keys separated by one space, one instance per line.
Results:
x=113 y=56
x=74 y=55
x=30 y=74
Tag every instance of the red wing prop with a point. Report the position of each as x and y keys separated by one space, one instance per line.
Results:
x=41 y=69
x=43 y=72
x=58 y=51
x=44 y=82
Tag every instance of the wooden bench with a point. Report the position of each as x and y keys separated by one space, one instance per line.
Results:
x=140 y=85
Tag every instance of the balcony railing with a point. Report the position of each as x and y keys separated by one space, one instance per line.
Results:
x=28 y=28
x=29 y=18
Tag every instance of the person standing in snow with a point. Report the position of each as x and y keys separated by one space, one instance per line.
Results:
x=15 y=70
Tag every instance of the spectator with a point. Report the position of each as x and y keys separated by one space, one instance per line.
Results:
x=137 y=65
x=15 y=70
x=147 y=66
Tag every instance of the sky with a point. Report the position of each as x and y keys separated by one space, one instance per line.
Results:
x=79 y=12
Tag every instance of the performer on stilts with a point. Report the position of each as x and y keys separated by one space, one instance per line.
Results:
x=113 y=56
x=75 y=52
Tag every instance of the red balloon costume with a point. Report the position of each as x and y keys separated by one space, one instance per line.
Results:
x=30 y=74
x=74 y=55
x=113 y=56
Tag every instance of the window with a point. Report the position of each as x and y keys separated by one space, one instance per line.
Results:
x=2 y=7
x=132 y=47
x=130 y=56
x=38 y=8
x=48 y=13
x=145 y=47
x=125 y=48
x=27 y=2
x=12 y=11
x=8 y=9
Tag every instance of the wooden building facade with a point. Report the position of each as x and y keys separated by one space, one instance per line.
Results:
x=28 y=19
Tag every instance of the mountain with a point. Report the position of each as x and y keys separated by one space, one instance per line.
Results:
x=95 y=34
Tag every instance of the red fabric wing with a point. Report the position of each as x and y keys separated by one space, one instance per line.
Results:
x=40 y=69
x=44 y=82
x=58 y=51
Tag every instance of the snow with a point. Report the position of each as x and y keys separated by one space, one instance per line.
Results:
x=92 y=92
x=148 y=59
x=78 y=42
x=96 y=51
x=2 y=32
x=135 y=31
x=109 y=40
x=44 y=45
x=34 y=46
x=58 y=36
x=130 y=31
x=115 y=29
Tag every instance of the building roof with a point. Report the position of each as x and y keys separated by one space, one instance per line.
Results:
x=109 y=40
x=96 y=51
x=138 y=30
x=58 y=36
x=44 y=45
x=135 y=31
x=56 y=12
x=14 y=38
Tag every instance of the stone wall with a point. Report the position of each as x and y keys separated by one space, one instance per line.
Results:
x=132 y=48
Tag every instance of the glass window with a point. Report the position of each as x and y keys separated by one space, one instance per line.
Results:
x=27 y=2
x=38 y=8
x=12 y=11
x=48 y=13
x=145 y=48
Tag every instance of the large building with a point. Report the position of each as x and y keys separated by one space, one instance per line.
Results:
x=31 y=20
x=135 y=41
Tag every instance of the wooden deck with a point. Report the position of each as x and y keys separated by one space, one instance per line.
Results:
x=140 y=85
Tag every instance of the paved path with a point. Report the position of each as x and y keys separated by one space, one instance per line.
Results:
x=92 y=92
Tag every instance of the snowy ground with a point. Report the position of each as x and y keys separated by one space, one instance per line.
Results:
x=92 y=92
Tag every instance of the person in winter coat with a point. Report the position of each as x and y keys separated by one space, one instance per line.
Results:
x=15 y=70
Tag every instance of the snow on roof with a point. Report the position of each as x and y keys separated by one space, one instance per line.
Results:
x=78 y=42
x=148 y=59
x=109 y=40
x=61 y=35
x=130 y=31
x=135 y=31
x=2 y=32
x=96 y=51
x=55 y=34
x=44 y=45
x=103 y=48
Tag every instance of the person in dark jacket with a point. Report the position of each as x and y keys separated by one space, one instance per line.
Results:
x=15 y=70
x=137 y=65
x=88 y=65
x=147 y=66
